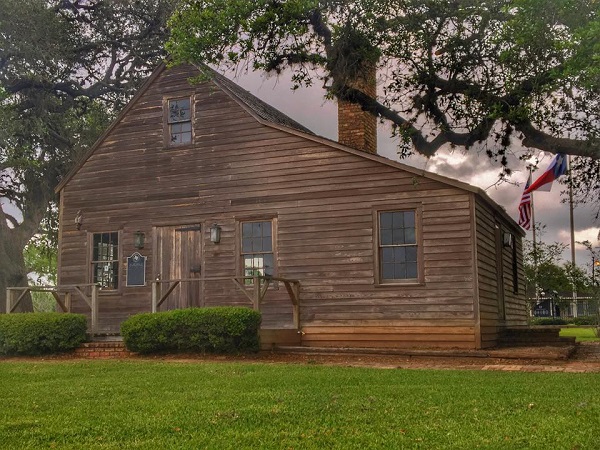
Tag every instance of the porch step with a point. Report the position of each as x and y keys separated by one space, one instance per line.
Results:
x=272 y=338
x=534 y=336
x=102 y=350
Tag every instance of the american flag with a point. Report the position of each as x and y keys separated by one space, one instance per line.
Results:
x=525 y=207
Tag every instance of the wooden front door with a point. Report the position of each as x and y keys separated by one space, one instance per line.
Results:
x=178 y=256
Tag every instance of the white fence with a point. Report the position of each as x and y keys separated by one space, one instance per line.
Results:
x=564 y=307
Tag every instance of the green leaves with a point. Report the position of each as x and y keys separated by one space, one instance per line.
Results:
x=41 y=333
x=456 y=68
x=213 y=330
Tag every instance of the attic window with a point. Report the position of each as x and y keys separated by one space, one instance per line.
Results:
x=179 y=119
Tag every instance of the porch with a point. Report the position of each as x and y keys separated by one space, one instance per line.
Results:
x=254 y=288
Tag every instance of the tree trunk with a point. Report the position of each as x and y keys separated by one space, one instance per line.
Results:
x=12 y=269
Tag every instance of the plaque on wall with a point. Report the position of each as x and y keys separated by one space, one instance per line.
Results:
x=136 y=270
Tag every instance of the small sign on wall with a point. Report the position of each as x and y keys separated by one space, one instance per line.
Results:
x=136 y=270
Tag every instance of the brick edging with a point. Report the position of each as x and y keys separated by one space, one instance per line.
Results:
x=102 y=350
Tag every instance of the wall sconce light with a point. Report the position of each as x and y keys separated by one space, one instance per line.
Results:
x=139 y=239
x=507 y=240
x=78 y=219
x=215 y=234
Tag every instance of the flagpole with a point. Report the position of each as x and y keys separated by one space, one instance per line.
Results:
x=535 y=254
x=572 y=224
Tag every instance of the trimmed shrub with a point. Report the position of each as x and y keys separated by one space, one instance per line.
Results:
x=548 y=321
x=584 y=320
x=41 y=333
x=222 y=329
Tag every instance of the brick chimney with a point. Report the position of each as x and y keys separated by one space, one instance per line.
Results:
x=358 y=128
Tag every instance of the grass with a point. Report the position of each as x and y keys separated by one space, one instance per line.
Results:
x=158 y=405
x=581 y=333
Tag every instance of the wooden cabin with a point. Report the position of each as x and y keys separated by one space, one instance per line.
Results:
x=384 y=254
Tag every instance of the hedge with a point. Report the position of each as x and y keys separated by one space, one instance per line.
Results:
x=582 y=320
x=222 y=329
x=548 y=321
x=41 y=333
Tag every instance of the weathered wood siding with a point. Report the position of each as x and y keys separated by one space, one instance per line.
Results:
x=322 y=201
x=501 y=303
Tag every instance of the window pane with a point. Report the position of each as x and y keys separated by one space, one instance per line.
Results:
x=400 y=271
x=411 y=254
x=268 y=264
x=409 y=236
x=398 y=237
x=387 y=255
x=400 y=254
x=246 y=245
x=246 y=229
x=257 y=229
x=385 y=220
x=411 y=270
x=387 y=271
x=267 y=244
x=267 y=229
x=257 y=245
x=409 y=219
x=179 y=110
x=114 y=275
x=386 y=237
x=248 y=263
x=398 y=220
x=186 y=138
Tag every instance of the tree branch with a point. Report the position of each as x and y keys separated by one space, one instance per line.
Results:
x=532 y=137
x=421 y=144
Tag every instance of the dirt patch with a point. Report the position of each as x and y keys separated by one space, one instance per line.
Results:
x=525 y=359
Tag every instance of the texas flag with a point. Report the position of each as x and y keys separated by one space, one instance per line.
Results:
x=557 y=167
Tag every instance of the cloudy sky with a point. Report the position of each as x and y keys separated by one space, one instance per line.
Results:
x=308 y=107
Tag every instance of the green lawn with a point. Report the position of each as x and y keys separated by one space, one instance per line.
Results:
x=158 y=405
x=581 y=333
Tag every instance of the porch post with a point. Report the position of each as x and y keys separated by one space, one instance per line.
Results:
x=68 y=301
x=155 y=295
x=256 y=296
x=8 y=300
x=95 y=290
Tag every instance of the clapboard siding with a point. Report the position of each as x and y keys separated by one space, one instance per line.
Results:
x=492 y=316
x=323 y=201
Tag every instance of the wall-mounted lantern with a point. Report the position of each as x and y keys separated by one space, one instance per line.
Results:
x=78 y=220
x=139 y=239
x=215 y=234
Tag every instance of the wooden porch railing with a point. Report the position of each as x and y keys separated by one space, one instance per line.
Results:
x=13 y=298
x=260 y=286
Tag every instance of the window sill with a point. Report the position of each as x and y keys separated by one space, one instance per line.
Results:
x=109 y=291
x=397 y=284
x=178 y=146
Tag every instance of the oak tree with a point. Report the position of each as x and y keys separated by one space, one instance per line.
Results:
x=66 y=68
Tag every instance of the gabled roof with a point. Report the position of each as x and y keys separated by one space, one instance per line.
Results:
x=261 y=109
x=269 y=116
